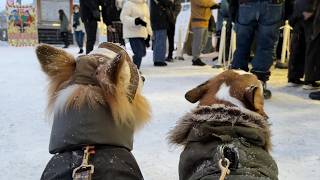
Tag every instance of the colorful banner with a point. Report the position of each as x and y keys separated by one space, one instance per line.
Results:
x=22 y=25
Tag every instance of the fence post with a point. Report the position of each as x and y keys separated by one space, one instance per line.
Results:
x=179 y=55
x=222 y=45
x=285 y=53
x=233 y=45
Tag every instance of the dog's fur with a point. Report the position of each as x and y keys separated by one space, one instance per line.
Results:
x=112 y=89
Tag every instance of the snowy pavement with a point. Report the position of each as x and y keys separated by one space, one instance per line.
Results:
x=24 y=132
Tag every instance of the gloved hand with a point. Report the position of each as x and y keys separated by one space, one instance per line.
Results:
x=147 y=41
x=96 y=15
x=216 y=6
x=139 y=21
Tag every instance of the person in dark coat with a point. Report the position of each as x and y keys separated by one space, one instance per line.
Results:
x=114 y=25
x=314 y=47
x=90 y=14
x=297 y=49
x=312 y=35
x=305 y=58
x=175 y=8
x=160 y=16
x=64 y=28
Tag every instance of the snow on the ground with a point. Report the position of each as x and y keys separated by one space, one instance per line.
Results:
x=24 y=132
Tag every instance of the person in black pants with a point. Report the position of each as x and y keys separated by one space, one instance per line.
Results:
x=114 y=25
x=90 y=14
x=297 y=57
x=305 y=45
x=175 y=8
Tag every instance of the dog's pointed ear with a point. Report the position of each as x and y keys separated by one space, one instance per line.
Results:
x=107 y=74
x=195 y=94
x=110 y=70
x=55 y=61
x=249 y=96
x=114 y=68
x=254 y=100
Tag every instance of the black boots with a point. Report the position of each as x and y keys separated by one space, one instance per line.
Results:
x=295 y=82
x=160 y=64
x=266 y=92
x=264 y=77
x=198 y=62
x=315 y=95
x=169 y=59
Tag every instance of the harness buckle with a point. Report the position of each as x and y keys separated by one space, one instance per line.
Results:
x=224 y=168
x=85 y=170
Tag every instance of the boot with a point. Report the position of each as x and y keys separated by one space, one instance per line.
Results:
x=295 y=82
x=169 y=59
x=263 y=77
x=315 y=95
x=266 y=92
x=198 y=62
x=160 y=64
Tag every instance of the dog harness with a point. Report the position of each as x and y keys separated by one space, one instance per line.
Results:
x=85 y=170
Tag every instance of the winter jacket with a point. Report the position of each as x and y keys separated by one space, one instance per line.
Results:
x=212 y=133
x=113 y=10
x=316 y=20
x=312 y=36
x=110 y=162
x=158 y=13
x=87 y=10
x=77 y=24
x=201 y=13
x=299 y=6
x=75 y=128
x=64 y=24
x=133 y=9
x=288 y=6
x=175 y=8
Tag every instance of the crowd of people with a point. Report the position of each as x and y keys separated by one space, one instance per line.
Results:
x=257 y=24
x=137 y=22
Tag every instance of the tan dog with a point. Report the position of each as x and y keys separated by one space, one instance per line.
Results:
x=228 y=128
x=95 y=100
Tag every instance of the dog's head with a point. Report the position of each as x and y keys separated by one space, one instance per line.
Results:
x=232 y=87
x=106 y=76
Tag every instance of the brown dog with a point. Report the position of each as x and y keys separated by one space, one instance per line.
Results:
x=95 y=102
x=228 y=126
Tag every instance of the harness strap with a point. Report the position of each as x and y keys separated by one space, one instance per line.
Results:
x=224 y=168
x=85 y=170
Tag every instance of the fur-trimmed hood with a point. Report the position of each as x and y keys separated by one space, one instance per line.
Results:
x=208 y=120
